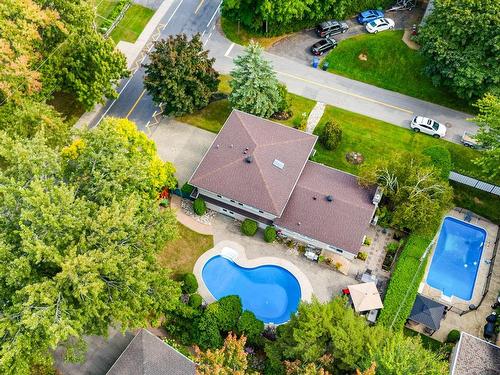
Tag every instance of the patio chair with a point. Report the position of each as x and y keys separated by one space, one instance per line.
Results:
x=468 y=216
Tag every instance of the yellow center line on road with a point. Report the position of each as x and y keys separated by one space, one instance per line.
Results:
x=136 y=102
x=199 y=6
x=345 y=92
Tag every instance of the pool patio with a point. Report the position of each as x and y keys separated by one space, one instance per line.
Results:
x=473 y=321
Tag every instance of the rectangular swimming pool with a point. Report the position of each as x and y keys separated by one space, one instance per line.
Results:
x=456 y=258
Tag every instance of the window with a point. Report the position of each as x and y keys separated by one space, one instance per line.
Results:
x=232 y=201
x=241 y=204
x=261 y=211
x=220 y=196
x=231 y=212
x=224 y=210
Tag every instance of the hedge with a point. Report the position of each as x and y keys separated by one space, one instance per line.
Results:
x=249 y=227
x=403 y=287
x=190 y=283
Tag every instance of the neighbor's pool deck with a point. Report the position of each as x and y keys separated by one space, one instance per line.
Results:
x=242 y=260
x=471 y=322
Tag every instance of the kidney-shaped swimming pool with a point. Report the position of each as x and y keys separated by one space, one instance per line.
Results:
x=271 y=292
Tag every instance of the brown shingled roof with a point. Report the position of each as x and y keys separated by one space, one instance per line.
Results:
x=343 y=221
x=475 y=356
x=260 y=184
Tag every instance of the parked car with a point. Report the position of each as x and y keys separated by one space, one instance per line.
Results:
x=369 y=15
x=469 y=140
x=324 y=45
x=428 y=126
x=331 y=28
x=380 y=24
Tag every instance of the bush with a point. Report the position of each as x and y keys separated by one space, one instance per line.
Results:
x=331 y=135
x=441 y=159
x=195 y=300
x=362 y=255
x=250 y=326
x=284 y=104
x=367 y=241
x=249 y=227
x=227 y=312
x=392 y=247
x=207 y=334
x=190 y=284
x=199 y=206
x=270 y=234
x=164 y=202
x=453 y=336
x=403 y=285
x=186 y=189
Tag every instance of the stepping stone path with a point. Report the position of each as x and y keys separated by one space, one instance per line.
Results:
x=315 y=116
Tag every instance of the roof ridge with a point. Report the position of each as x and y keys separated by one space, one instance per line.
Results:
x=313 y=191
x=270 y=196
x=209 y=173
x=296 y=140
x=242 y=123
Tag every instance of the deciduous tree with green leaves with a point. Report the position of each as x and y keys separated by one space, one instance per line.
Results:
x=254 y=86
x=181 y=75
x=460 y=39
x=488 y=120
x=77 y=253
x=413 y=190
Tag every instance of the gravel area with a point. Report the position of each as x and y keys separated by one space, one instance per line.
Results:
x=297 y=46
x=315 y=116
x=187 y=208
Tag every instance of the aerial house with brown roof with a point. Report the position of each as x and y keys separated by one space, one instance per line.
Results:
x=258 y=169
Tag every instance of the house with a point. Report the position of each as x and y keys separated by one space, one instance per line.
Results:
x=258 y=169
x=474 y=356
x=148 y=355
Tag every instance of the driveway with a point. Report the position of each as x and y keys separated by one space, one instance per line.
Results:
x=297 y=46
x=183 y=145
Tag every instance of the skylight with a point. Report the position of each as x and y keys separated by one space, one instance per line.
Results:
x=278 y=164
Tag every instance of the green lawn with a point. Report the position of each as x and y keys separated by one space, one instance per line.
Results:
x=104 y=9
x=243 y=37
x=480 y=202
x=430 y=343
x=132 y=24
x=391 y=65
x=181 y=255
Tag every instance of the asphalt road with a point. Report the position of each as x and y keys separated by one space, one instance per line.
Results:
x=192 y=16
x=184 y=16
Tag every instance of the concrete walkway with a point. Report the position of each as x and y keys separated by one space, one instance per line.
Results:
x=315 y=116
x=187 y=220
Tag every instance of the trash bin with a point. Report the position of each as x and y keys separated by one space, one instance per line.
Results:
x=315 y=62
x=325 y=65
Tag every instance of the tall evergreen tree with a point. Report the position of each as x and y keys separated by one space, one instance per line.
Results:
x=255 y=88
x=181 y=75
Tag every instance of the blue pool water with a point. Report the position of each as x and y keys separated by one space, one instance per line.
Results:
x=456 y=258
x=270 y=292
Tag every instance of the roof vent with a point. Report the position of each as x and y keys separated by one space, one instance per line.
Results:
x=249 y=159
x=231 y=145
x=314 y=198
x=329 y=198
x=217 y=146
x=278 y=164
x=298 y=223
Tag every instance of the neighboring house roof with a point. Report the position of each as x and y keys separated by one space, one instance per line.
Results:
x=474 y=356
x=365 y=296
x=427 y=312
x=343 y=221
x=148 y=355
x=277 y=155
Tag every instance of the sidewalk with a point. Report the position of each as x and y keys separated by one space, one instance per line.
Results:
x=187 y=220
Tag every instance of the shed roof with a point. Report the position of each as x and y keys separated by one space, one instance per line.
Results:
x=148 y=355
x=341 y=221
x=365 y=296
x=254 y=161
x=427 y=312
x=474 y=356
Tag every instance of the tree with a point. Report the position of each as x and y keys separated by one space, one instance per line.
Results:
x=20 y=24
x=190 y=283
x=70 y=266
x=231 y=359
x=460 y=41
x=298 y=368
x=413 y=189
x=488 y=120
x=254 y=86
x=181 y=75
x=249 y=227
x=79 y=60
x=331 y=135
x=114 y=160
x=250 y=326
x=24 y=118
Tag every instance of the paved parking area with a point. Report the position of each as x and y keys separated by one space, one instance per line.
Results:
x=297 y=46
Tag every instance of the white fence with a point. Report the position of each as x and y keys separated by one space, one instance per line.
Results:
x=469 y=181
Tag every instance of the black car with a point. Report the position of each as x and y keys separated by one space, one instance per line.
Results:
x=324 y=45
x=331 y=28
